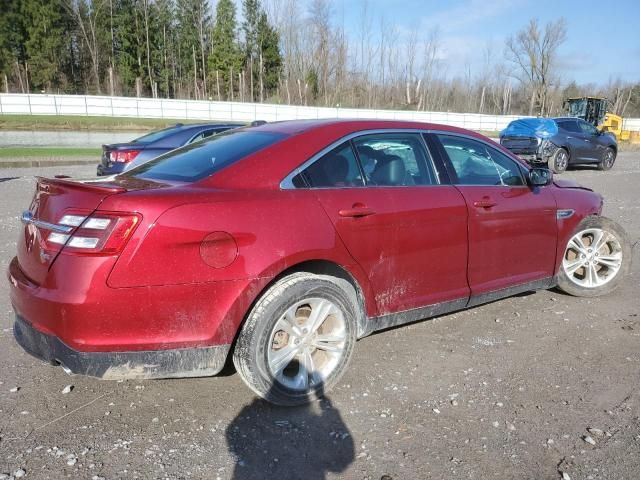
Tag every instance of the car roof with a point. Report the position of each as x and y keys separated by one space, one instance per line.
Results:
x=566 y=118
x=348 y=125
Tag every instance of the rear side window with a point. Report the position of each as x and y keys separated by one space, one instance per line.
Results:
x=336 y=169
x=475 y=163
x=569 y=126
x=201 y=159
x=395 y=159
x=160 y=134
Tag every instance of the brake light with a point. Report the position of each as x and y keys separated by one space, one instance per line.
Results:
x=123 y=156
x=103 y=233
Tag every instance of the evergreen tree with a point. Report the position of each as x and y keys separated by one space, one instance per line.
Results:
x=269 y=47
x=12 y=44
x=192 y=20
x=225 y=58
x=44 y=22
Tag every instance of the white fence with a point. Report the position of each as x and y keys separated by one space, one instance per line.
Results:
x=39 y=104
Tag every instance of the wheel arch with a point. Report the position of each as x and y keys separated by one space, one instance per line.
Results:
x=352 y=274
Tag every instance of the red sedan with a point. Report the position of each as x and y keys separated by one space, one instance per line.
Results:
x=282 y=244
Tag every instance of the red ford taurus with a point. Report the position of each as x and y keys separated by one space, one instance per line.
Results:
x=282 y=244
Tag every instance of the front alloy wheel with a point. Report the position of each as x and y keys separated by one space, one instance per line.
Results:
x=596 y=258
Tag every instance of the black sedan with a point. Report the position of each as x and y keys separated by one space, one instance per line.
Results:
x=120 y=157
x=560 y=142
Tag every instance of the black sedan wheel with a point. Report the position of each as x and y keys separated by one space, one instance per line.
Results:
x=608 y=159
x=560 y=161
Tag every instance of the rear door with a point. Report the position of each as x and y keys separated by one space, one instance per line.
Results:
x=404 y=227
x=512 y=227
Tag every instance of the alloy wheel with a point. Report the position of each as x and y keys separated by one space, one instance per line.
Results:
x=593 y=258
x=307 y=344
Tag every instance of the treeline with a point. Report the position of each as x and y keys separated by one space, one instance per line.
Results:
x=156 y=48
x=279 y=51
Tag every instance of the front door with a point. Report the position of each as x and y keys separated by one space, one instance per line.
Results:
x=407 y=232
x=512 y=227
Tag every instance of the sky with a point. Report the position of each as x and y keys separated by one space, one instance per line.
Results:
x=603 y=38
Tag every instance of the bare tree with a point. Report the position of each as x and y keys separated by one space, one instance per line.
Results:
x=533 y=52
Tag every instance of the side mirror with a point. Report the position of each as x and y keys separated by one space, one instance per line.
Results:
x=539 y=177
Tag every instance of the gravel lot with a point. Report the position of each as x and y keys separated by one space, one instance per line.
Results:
x=505 y=390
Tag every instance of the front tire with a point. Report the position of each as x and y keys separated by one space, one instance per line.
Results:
x=560 y=161
x=298 y=338
x=596 y=258
x=608 y=159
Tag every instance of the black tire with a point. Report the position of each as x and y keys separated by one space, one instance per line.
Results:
x=608 y=159
x=560 y=161
x=568 y=282
x=250 y=355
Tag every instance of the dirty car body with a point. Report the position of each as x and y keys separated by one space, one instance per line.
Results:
x=154 y=273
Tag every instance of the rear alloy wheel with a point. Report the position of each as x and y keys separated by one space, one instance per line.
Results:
x=596 y=259
x=608 y=159
x=298 y=339
x=560 y=161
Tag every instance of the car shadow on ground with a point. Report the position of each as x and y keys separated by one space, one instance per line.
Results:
x=305 y=442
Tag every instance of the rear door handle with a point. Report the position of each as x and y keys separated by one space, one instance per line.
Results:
x=356 y=212
x=484 y=203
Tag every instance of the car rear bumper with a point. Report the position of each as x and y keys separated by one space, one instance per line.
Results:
x=176 y=363
x=75 y=306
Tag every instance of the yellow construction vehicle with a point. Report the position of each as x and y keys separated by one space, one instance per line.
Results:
x=595 y=110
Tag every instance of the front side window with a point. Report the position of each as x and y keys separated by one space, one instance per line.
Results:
x=201 y=159
x=587 y=128
x=336 y=169
x=475 y=163
x=395 y=159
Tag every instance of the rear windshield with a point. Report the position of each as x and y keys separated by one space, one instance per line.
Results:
x=201 y=159
x=158 y=135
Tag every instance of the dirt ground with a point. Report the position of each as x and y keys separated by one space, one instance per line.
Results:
x=505 y=390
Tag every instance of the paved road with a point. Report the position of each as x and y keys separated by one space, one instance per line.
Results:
x=505 y=390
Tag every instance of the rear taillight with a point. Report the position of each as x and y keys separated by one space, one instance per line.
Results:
x=103 y=233
x=123 y=156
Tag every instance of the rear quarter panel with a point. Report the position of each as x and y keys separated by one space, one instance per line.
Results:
x=272 y=230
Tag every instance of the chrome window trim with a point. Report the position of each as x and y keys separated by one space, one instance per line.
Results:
x=287 y=182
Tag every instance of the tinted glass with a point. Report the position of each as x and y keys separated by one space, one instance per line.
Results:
x=155 y=136
x=475 y=163
x=201 y=159
x=338 y=168
x=395 y=159
x=205 y=134
x=568 y=126
x=587 y=128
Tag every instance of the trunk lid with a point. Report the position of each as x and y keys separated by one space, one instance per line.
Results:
x=54 y=198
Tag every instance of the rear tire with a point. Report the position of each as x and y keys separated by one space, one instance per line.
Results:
x=560 y=161
x=608 y=159
x=596 y=258
x=298 y=338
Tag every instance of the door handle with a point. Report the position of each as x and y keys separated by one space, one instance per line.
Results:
x=484 y=203
x=356 y=212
